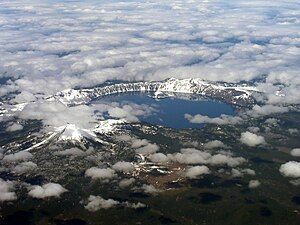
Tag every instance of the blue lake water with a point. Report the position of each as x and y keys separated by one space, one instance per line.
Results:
x=170 y=111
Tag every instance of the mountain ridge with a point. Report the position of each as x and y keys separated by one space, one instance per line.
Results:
x=233 y=94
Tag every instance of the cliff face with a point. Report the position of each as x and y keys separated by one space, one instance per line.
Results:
x=237 y=95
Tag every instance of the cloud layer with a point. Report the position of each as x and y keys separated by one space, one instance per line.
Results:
x=47 y=47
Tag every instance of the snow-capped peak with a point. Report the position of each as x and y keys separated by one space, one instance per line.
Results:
x=72 y=132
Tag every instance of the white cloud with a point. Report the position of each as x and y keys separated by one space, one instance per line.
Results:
x=295 y=152
x=7 y=191
x=295 y=182
x=103 y=174
x=47 y=190
x=222 y=120
x=56 y=114
x=228 y=160
x=251 y=139
x=253 y=129
x=122 y=166
x=17 y=157
x=147 y=149
x=14 y=127
x=137 y=143
x=195 y=171
x=249 y=171
x=150 y=189
x=141 y=146
x=190 y=156
x=290 y=169
x=272 y=121
x=24 y=96
x=215 y=144
x=293 y=131
x=237 y=172
x=193 y=156
x=129 y=111
x=24 y=167
x=96 y=202
x=134 y=205
x=253 y=184
x=158 y=158
x=126 y=182
x=264 y=110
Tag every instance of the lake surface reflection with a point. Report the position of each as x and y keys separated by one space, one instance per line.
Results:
x=170 y=111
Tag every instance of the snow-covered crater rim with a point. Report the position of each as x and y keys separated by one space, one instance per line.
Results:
x=226 y=91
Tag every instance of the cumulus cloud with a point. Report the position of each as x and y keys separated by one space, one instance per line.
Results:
x=295 y=152
x=252 y=139
x=195 y=171
x=14 y=127
x=215 y=144
x=253 y=184
x=122 y=166
x=24 y=167
x=126 y=182
x=147 y=149
x=290 y=169
x=134 y=205
x=130 y=112
x=150 y=189
x=220 y=159
x=17 y=157
x=56 y=114
x=158 y=158
x=293 y=131
x=46 y=190
x=190 y=156
x=264 y=110
x=137 y=143
x=249 y=171
x=7 y=191
x=253 y=129
x=141 y=146
x=295 y=182
x=237 y=172
x=96 y=202
x=222 y=120
x=102 y=174
x=194 y=156
x=272 y=121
